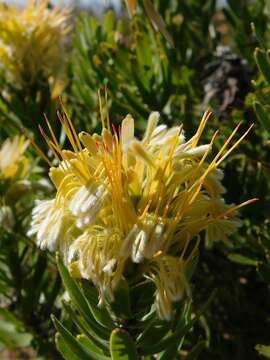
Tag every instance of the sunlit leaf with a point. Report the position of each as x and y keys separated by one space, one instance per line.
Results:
x=122 y=346
x=264 y=350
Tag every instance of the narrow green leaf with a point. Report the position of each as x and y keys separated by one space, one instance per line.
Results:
x=79 y=301
x=73 y=289
x=122 y=346
x=88 y=343
x=263 y=63
x=84 y=327
x=242 y=260
x=108 y=25
x=64 y=349
x=256 y=34
x=263 y=350
x=75 y=347
x=178 y=334
x=157 y=20
x=154 y=333
x=101 y=315
x=171 y=351
x=184 y=319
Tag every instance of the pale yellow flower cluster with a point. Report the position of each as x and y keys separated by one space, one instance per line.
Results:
x=14 y=167
x=13 y=163
x=31 y=40
x=123 y=201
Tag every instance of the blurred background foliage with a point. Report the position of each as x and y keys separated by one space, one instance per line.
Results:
x=141 y=69
x=201 y=56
